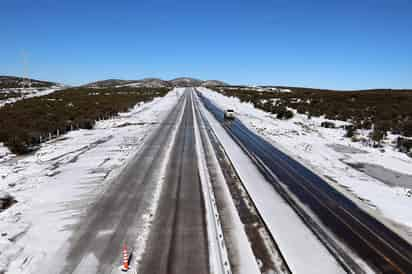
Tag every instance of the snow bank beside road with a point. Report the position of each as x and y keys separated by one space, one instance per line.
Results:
x=326 y=152
x=55 y=186
x=4 y=153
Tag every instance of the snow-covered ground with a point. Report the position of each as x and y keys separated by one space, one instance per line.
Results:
x=56 y=184
x=4 y=153
x=329 y=154
x=244 y=261
x=218 y=257
x=27 y=93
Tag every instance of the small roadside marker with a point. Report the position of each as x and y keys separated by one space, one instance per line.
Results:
x=125 y=266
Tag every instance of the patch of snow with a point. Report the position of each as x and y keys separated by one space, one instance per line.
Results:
x=5 y=153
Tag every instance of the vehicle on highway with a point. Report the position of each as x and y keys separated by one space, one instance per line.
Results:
x=229 y=114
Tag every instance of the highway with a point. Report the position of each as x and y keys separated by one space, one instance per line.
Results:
x=177 y=242
x=380 y=247
x=178 y=238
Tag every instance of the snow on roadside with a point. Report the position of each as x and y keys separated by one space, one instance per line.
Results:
x=4 y=153
x=303 y=252
x=218 y=256
x=238 y=242
x=27 y=93
x=144 y=225
x=56 y=184
x=327 y=152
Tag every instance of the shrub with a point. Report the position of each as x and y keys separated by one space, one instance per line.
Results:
x=301 y=109
x=404 y=145
x=327 y=124
x=350 y=131
x=377 y=136
x=406 y=128
x=283 y=113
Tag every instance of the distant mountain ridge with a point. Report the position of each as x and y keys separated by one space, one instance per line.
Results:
x=156 y=83
x=20 y=82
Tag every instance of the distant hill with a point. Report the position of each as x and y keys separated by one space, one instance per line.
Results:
x=107 y=83
x=186 y=82
x=147 y=82
x=153 y=82
x=213 y=83
x=156 y=83
x=14 y=88
x=310 y=90
x=7 y=82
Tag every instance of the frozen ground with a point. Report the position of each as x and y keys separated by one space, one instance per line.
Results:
x=55 y=185
x=332 y=156
x=27 y=93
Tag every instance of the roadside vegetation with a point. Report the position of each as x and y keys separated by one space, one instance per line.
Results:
x=10 y=82
x=381 y=111
x=16 y=87
x=27 y=123
x=9 y=94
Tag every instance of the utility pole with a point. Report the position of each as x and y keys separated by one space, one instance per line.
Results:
x=26 y=78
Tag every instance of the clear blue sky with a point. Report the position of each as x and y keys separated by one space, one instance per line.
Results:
x=330 y=44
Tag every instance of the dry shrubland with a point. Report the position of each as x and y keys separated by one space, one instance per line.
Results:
x=26 y=123
x=382 y=110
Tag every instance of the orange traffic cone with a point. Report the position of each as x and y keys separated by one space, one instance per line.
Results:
x=125 y=266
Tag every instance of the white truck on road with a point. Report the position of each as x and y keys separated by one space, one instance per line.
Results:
x=229 y=114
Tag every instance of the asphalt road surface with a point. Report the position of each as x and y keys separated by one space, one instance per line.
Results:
x=178 y=242
x=178 y=237
x=376 y=244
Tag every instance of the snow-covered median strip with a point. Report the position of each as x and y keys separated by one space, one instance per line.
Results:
x=55 y=186
x=245 y=261
x=218 y=258
x=327 y=152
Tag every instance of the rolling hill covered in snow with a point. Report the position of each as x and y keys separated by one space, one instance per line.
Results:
x=156 y=83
